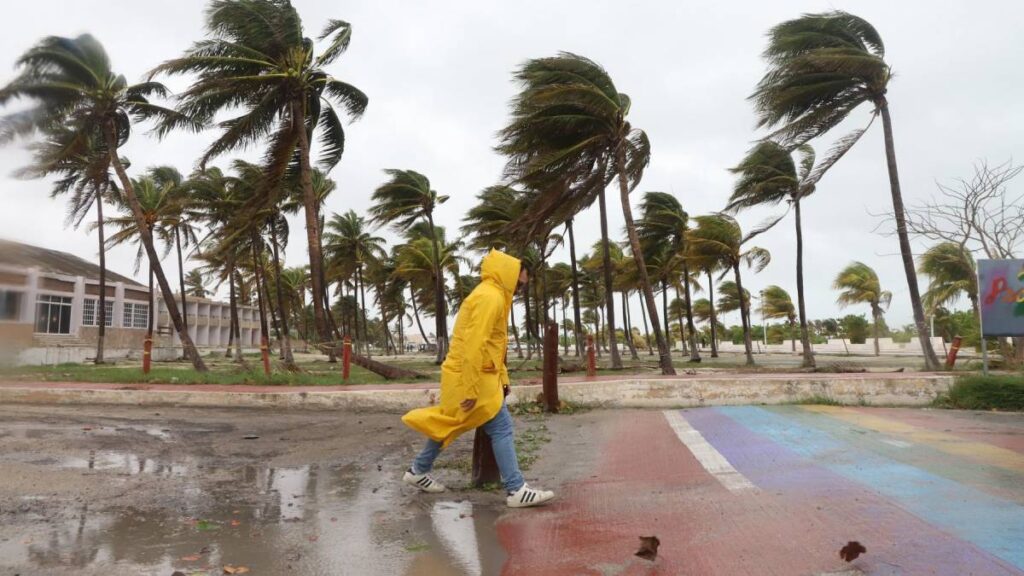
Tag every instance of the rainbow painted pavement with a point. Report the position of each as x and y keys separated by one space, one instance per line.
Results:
x=778 y=490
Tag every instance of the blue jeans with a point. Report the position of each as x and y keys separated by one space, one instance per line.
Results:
x=499 y=429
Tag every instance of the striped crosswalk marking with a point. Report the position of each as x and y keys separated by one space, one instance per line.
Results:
x=710 y=458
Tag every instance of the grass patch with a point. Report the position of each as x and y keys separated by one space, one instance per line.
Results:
x=1004 y=392
x=816 y=401
x=182 y=373
x=529 y=443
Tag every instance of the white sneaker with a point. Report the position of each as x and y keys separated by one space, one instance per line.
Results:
x=424 y=482
x=526 y=497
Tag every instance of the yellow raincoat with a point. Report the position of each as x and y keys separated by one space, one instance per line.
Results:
x=475 y=366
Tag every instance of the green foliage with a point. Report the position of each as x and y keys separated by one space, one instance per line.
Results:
x=985 y=393
x=855 y=328
x=951 y=272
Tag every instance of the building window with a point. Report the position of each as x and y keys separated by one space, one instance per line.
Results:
x=10 y=305
x=90 y=317
x=136 y=315
x=53 y=314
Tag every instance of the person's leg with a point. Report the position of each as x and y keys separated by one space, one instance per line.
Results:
x=424 y=461
x=499 y=429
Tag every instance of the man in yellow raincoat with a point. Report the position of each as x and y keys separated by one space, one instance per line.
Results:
x=473 y=378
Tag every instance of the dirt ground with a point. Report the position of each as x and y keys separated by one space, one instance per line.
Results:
x=99 y=491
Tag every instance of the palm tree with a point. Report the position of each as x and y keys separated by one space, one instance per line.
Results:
x=84 y=174
x=176 y=218
x=719 y=237
x=569 y=137
x=295 y=283
x=258 y=60
x=665 y=224
x=820 y=68
x=400 y=202
x=776 y=303
x=768 y=175
x=859 y=285
x=349 y=243
x=75 y=91
x=952 y=273
x=195 y=283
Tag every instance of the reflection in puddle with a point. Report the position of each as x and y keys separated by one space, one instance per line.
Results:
x=275 y=520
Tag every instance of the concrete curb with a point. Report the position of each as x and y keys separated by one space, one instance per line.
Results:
x=866 y=389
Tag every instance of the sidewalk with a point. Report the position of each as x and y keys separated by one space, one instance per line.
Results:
x=613 y=391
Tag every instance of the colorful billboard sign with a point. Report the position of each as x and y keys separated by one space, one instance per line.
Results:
x=1001 y=287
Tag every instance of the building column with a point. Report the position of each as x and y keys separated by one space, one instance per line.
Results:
x=118 y=311
x=28 y=309
x=77 y=303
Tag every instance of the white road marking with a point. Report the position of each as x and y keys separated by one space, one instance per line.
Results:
x=710 y=458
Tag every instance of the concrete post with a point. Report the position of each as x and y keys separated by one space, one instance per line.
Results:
x=28 y=309
x=77 y=305
x=591 y=357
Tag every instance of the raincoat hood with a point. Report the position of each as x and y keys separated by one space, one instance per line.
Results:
x=501 y=269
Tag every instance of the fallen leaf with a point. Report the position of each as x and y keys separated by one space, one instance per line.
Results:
x=86 y=427
x=191 y=558
x=333 y=519
x=229 y=569
x=314 y=538
x=236 y=522
x=852 y=550
x=250 y=437
x=204 y=550
x=178 y=573
x=649 y=547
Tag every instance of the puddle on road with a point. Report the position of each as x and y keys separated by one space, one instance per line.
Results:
x=311 y=520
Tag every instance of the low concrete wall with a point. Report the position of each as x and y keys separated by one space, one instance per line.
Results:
x=865 y=389
x=53 y=355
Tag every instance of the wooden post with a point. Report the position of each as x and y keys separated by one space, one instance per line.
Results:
x=346 y=358
x=591 y=357
x=147 y=354
x=485 y=466
x=551 y=367
x=951 y=357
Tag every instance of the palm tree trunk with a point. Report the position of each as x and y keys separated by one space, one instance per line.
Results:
x=362 y=296
x=747 y=345
x=665 y=357
x=599 y=335
x=154 y=259
x=664 y=312
x=529 y=319
x=181 y=278
x=682 y=326
x=286 y=340
x=805 y=338
x=101 y=314
x=515 y=330
x=275 y=322
x=416 y=314
x=694 y=351
x=930 y=359
x=608 y=290
x=627 y=328
x=565 y=328
x=647 y=333
x=309 y=202
x=714 y=315
x=233 y=308
x=235 y=282
x=152 y=302
x=264 y=332
x=576 y=315
x=877 y=316
x=441 y=315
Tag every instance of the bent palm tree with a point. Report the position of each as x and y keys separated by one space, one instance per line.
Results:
x=719 y=237
x=820 y=68
x=859 y=284
x=405 y=198
x=952 y=273
x=257 y=59
x=83 y=172
x=777 y=304
x=767 y=176
x=569 y=135
x=74 y=89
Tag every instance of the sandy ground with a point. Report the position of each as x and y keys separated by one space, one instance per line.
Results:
x=101 y=491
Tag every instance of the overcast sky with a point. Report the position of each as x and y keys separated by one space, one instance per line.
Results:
x=438 y=77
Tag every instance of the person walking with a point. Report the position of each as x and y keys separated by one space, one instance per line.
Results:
x=473 y=383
